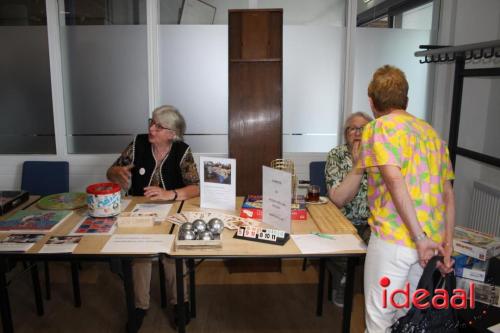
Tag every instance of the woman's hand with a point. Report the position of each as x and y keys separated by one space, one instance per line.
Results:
x=356 y=150
x=426 y=249
x=157 y=193
x=120 y=175
x=447 y=265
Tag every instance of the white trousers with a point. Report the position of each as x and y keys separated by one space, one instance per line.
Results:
x=399 y=264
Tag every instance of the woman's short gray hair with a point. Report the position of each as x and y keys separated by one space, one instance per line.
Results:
x=364 y=115
x=168 y=116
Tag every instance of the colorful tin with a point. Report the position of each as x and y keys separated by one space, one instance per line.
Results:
x=103 y=199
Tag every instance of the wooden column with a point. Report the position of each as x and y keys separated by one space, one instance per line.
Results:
x=255 y=93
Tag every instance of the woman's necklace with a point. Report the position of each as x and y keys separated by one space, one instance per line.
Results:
x=160 y=154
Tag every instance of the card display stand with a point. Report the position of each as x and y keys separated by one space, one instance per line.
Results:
x=263 y=235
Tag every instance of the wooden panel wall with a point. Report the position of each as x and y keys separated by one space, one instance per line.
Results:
x=255 y=93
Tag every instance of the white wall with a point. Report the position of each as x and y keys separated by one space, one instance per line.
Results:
x=418 y=18
x=464 y=22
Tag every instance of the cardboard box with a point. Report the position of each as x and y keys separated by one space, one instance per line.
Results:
x=470 y=268
x=475 y=244
x=484 y=292
x=252 y=208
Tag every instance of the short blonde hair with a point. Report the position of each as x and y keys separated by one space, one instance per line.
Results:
x=168 y=116
x=360 y=114
x=388 y=89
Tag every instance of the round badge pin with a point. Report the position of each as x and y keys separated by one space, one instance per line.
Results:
x=142 y=171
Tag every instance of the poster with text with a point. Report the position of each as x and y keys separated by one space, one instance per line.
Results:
x=218 y=183
x=277 y=198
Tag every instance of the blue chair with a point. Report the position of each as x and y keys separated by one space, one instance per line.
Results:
x=45 y=178
x=317 y=175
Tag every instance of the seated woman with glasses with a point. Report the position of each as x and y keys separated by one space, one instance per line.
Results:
x=160 y=166
x=339 y=163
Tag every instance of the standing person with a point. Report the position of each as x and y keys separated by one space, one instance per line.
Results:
x=339 y=163
x=410 y=195
x=160 y=166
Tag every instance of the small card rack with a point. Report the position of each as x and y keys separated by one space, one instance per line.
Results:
x=263 y=235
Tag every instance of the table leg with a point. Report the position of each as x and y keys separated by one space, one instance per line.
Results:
x=348 y=294
x=192 y=288
x=4 y=299
x=75 y=277
x=179 y=278
x=36 y=288
x=321 y=286
x=46 y=270
x=128 y=284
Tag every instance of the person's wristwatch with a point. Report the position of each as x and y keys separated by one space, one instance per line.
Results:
x=420 y=237
x=175 y=195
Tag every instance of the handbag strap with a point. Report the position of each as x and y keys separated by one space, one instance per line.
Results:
x=429 y=283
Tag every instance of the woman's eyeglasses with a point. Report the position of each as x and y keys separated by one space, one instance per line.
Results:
x=152 y=122
x=352 y=130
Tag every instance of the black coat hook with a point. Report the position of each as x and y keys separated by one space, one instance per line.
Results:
x=491 y=54
x=468 y=55
x=478 y=55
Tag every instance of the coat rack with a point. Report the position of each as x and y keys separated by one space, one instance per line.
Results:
x=460 y=55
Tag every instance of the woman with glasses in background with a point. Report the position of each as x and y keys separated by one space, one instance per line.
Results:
x=339 y=163
x=160 y=166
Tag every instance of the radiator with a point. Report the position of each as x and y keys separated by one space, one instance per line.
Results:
x=485 y=210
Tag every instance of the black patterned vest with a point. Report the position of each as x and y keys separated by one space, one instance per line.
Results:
x=144 y=165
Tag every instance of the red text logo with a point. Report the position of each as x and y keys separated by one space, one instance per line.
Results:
x=421 y=299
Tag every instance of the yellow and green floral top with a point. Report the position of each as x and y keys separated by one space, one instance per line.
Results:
x=414 y=146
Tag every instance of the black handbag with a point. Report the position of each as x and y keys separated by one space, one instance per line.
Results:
x=431 y=320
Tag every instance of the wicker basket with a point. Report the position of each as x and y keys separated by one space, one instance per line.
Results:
x=288 y=166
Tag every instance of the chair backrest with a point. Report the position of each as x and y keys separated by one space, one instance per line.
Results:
x=44 y=177
x=317 y=175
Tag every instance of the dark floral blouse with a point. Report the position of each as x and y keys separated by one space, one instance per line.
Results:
x=338 y=165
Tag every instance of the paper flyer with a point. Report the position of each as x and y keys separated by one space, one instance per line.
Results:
x=218 y=183
x=139 y=243
x=61 y=244
x=277 y=198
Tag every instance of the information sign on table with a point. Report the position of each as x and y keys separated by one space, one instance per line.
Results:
x=139 y=243
x=218 y=183
x=277 y=198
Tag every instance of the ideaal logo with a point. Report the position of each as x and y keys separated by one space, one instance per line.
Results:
x=421 y=300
